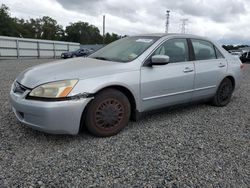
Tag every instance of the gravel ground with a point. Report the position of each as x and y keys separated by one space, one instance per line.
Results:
x=194 y=146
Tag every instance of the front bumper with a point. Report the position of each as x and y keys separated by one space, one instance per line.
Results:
x=60 y=117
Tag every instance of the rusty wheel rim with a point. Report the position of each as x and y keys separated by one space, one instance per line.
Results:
x=109 y=114
x=225 y=92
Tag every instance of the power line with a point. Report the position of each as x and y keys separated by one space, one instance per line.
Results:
x=167 y=21
x=183 y=25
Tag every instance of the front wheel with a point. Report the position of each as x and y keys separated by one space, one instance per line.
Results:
x=108 y=113
x=224 y=93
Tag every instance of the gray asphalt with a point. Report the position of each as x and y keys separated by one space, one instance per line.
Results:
x=194 y=146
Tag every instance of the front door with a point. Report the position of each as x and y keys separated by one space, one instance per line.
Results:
x=173 y=83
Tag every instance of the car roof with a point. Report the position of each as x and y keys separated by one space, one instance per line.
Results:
x=171 y=35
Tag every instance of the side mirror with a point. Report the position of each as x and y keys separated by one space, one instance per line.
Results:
x=159 y=60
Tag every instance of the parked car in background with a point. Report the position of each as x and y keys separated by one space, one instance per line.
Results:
x=236 y=53
x=77 y=53
x=121 y=81
x=245 y=57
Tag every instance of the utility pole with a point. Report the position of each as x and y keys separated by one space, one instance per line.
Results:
x=103 y=29
x=183 y=25
x=167 y=21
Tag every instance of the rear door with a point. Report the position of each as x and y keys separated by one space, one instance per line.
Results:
x=210 y=68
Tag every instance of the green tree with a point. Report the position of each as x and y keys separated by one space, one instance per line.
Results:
x=83 y=32
x=7 y=24
x=111 y=38
x=24 y=28
x=40 y=28
x=47 y=28
x=33 y=27
x=50 y=29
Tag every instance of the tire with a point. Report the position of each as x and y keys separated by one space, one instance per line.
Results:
x=108 y=113
x=224 y=93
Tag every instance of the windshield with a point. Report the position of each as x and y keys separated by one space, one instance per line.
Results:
x=125 y=50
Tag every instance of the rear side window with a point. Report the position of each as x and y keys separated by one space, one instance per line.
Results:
x=176 y=49
x=218 y=54
x=203 y=50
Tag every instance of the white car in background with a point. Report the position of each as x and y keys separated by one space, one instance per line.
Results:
x=237 y=54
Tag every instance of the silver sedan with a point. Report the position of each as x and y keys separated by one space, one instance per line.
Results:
x=122 y=81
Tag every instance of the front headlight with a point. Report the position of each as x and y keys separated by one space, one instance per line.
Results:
x=56 y=89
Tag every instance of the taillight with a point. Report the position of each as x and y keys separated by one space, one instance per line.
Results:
x=241 y=66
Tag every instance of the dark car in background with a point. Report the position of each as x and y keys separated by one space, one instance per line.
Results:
x=245 y=57
x=77 y=53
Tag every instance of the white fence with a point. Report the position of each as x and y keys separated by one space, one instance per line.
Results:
x=12 y=47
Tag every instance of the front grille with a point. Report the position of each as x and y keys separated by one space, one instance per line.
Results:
x=18 y=88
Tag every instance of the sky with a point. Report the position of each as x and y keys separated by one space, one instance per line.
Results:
x=226 y=21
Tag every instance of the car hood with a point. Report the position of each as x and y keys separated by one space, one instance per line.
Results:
x=76 y=68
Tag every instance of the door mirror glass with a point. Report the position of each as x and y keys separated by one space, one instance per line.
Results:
x=159 y=60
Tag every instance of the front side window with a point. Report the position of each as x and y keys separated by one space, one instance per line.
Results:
x=126 y=49
x=203 y=50
x=176 y=49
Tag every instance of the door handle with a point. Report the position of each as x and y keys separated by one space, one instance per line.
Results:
x=187 y=69
x=221 y=65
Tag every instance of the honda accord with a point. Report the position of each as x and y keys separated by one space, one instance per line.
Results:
x=123 y=80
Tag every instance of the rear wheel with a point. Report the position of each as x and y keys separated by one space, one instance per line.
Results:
x=108 y=113
x=224 y=93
